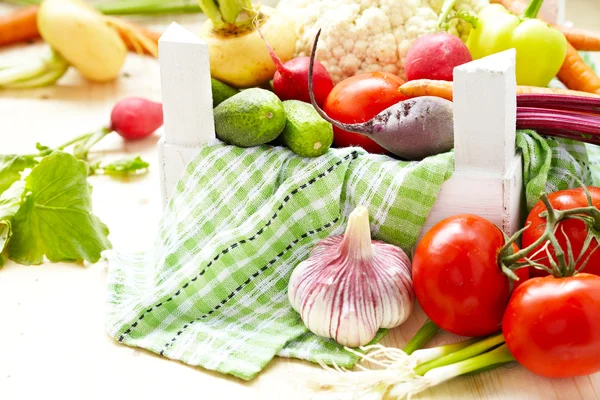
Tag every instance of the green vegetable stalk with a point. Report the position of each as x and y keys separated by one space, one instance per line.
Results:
x=228 y=14
x=541 y=49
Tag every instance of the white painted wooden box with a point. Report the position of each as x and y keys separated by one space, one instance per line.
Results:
x=487 y=179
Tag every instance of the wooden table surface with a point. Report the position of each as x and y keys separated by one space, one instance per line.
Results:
x=52 y=339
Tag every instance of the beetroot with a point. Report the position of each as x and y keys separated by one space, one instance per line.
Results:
x=434 y=56
x=136 y=118
x=291 y=79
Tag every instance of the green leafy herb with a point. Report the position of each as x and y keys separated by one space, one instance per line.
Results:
x=55 y=218
x=127 y=166
x=11 y=166
x=10 y=201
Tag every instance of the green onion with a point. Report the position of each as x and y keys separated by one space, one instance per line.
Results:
x=136 y=7
x=401 y=375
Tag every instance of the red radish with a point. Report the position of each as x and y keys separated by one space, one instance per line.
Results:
x=136 y=118
x=434 y=56
x=291 y=79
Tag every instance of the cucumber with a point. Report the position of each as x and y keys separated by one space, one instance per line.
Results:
x=306 y=133
x=221 y=91
x=250 y=118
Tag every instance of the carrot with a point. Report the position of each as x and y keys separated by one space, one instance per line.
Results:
x=443 y=89
x=581 y=39
x=132 y=45
x=19 y=26
x=427 y=87
x=574 y=73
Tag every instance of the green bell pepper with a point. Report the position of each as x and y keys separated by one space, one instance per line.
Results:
x=541 y=49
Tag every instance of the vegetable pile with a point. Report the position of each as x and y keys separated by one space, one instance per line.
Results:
x=44 y=195
x=463 y=272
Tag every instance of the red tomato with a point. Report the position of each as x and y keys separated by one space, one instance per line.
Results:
x=456 y=276
x=358 y=99
x=552 y=328
x=576 y=230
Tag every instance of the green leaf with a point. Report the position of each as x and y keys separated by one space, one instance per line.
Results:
x=11 y=166
x=128 y=166
x=56 y=217
x=10 y=201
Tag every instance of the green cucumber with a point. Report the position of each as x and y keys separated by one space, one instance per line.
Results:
x=221 y=91
x=306 y=133
x=250 y=118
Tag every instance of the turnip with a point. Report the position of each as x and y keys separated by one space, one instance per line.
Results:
x=434 y=56
x=291 y=79
x=411 y=129
x=238 y=56
x=80 y=36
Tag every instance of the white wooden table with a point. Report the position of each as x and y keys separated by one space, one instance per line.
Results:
x=52 y=339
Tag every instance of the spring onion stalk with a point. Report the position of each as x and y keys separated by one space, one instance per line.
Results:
x=400 y=375
x=136 y=7
x=43 y=72
x=491 y=359
x=427 y=331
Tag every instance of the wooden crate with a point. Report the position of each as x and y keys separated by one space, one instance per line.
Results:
x=487 y=179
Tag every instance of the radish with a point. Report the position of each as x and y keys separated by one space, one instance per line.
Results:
x=136 y=118
x=434 y=56
x=411 y=129
x=291 y=79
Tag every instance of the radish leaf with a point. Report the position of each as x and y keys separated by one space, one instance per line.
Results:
x=11 y=166
x=10 y=201
x=55 y=219
x=127 y=166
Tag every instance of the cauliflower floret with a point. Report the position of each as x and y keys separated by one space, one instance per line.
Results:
x=368 y=35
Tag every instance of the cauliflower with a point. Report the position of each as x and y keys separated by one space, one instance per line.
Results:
x=368 y=35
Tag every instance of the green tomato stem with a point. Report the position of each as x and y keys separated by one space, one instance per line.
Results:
x=423 y=335
x=532 y=9
x=462 y=354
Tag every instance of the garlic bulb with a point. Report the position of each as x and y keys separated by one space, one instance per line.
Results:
x=350 y=285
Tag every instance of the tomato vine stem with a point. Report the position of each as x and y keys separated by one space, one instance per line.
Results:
x=562 y=264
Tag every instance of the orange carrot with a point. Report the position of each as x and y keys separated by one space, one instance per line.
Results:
x=19 y=26
x=582 y=39
x=151 y=35
x=577 y=75
x=428 y=87
x=574 y=73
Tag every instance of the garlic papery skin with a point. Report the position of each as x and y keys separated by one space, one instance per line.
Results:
x=350 y=285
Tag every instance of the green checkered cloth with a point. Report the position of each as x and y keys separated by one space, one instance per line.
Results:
x=212 y=292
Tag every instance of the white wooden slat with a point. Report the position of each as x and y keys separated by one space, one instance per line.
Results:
x=187 y=103
x=186 y=89
x=487 y=180
x=485 y=114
